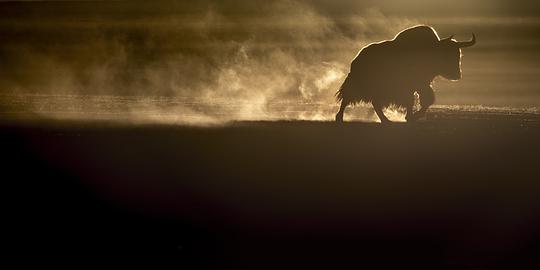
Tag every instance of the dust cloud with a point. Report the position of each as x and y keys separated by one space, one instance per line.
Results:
x=210 y=65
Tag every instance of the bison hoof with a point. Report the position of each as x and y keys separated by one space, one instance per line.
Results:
x=415 y=117
x=339 y=118
x=411 y=119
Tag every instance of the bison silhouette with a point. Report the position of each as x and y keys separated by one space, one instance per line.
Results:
x=390 y=72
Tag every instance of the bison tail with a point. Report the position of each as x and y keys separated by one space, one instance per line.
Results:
x=340 y=94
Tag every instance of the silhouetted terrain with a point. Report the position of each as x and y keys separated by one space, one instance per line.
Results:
x=453 y=192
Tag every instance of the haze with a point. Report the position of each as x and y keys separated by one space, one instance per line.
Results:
x=254 y=53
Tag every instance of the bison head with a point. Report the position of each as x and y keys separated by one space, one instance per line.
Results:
x=449 y=57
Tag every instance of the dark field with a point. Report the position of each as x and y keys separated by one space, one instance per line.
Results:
x=456 y=191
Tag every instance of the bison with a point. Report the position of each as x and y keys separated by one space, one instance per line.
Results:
x=390 y=72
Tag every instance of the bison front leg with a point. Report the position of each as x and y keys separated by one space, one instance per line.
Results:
x=427 y=98
x=379 y=110
x=410 y=109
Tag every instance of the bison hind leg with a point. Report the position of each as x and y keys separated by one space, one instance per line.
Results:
x=339 y=115
x=378 y=107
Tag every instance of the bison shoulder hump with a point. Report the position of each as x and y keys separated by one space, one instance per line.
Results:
x=417 y=35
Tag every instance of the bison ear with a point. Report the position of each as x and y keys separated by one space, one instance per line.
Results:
x=448 y=38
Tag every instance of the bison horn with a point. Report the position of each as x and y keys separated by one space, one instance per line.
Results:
x=469 y=43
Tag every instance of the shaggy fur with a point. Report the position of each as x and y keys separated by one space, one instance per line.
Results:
x=389 y=72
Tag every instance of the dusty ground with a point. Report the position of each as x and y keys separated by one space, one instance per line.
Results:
x=456 y=191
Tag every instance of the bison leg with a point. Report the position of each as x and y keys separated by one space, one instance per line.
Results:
x=339 y=115
x=410 y=113
x=379 y=110
x=427 y=98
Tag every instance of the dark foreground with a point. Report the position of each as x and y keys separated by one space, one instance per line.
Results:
x=453 y=193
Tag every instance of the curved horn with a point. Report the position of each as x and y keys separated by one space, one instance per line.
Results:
x=469 y=43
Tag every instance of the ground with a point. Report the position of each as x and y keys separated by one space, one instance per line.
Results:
x=455 y=191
